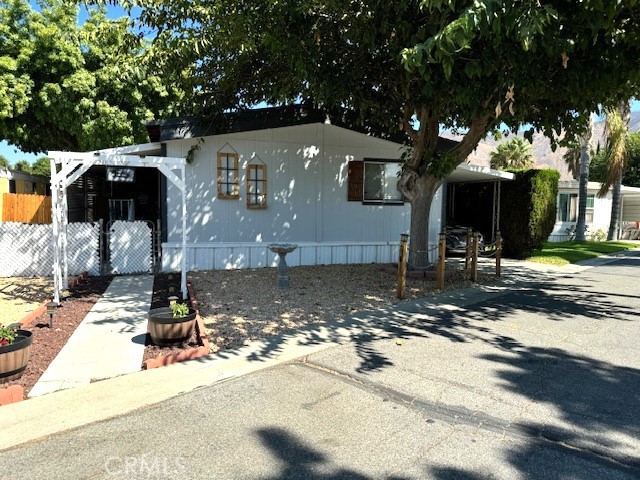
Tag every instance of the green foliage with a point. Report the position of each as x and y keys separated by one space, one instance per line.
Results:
x=599 y=167
x=464 y=64
x=563 y=253
x=514 y=154
x=42 y=166
x=70 y=87
x=528 y=211
x=4 y=162
x=22 y=166
x=179 y=310
x=7 y=335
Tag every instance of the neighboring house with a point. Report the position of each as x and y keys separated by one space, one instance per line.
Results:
x=290 y=175
x=17 y=182
x=598 y=213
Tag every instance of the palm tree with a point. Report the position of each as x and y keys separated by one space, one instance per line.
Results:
x=513 y=154
x=578 y=157
x=616 y=158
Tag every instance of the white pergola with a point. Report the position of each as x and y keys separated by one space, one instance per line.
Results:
x=67 y=167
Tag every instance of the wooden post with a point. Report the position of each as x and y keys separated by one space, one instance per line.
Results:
x=467 y=256
x=474 y=258
x=402 y=265
x=498 y=252
x=442 y=249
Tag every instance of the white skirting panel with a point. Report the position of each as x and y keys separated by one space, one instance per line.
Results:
x=226 y=256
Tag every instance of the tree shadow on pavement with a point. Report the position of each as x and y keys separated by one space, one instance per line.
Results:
x=595 y=402
x=301 y=461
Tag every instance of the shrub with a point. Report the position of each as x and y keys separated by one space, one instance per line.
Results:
x=528 y=210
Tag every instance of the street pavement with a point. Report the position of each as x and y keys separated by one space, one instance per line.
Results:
x=538 y=378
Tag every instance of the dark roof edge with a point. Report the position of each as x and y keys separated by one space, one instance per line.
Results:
x=261 y=119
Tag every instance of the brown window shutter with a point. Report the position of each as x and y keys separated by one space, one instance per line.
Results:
x=355 y=181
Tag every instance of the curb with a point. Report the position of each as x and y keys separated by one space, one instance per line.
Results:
x=189 y=353
x=15 y=393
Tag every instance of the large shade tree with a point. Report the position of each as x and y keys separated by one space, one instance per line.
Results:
x=70 y=87
x=417 y=66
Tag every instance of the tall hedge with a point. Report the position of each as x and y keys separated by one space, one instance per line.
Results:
x=528 y=210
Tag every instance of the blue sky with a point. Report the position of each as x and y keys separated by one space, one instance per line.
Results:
x=13 y=154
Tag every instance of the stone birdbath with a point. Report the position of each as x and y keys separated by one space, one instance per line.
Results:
x=283 y=270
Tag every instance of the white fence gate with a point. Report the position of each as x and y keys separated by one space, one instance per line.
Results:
x=26 y=250
x=130 y=247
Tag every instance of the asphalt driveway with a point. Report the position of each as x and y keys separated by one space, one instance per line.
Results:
x=538 y=380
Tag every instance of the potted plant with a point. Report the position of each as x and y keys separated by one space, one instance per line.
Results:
x=15 y=348
x=171 y=325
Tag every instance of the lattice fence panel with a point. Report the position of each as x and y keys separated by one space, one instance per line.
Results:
x=83 y=254
x=26 y=250
x=130 y=247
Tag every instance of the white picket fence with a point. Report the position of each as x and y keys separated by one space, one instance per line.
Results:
x=26 y=250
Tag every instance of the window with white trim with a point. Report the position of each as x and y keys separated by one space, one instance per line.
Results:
x=380 y=182
x=568 y=207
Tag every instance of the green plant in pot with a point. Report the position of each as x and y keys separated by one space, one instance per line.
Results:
x=171 y=325
x=15 y=348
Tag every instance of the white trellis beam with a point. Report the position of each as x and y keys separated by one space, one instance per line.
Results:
x=75 y=164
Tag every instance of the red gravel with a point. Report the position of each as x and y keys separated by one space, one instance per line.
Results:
x=162 y=283
x=48 y=342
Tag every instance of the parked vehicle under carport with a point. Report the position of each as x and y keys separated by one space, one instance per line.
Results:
x=456 y=238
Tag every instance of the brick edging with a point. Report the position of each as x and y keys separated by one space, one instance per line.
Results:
x=189 y=353
x=15 y=393
x=11 y=394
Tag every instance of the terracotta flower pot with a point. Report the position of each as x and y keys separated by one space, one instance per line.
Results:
x=14 y=357
x=165 y=329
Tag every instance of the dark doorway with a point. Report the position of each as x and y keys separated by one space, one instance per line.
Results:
x=93 y=197
x=472 y=205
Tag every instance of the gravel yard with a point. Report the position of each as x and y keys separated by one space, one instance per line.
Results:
x=238 y=306
x=19 y=296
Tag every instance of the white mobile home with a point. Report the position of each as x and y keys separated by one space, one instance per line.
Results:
x=598 y=213
x=283 y=176
x=214 y=195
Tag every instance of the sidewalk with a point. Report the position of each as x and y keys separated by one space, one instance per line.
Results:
x=109 y=342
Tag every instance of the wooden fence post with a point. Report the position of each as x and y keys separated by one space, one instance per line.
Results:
x=402 y=265
x=442 y=249
x=467 y=256
x=498 y=252
x=474 y=259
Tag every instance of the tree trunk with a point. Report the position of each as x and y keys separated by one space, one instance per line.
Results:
x=585 y=159
x=616 y=197
x=420 y=190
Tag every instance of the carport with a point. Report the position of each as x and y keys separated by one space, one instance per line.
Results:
x=473 y=198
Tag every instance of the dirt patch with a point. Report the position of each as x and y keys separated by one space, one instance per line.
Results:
x=47 y=342
x=238 y=306
x=19 y=296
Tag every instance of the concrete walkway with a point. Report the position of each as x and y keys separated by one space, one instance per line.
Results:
x=109 y=342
